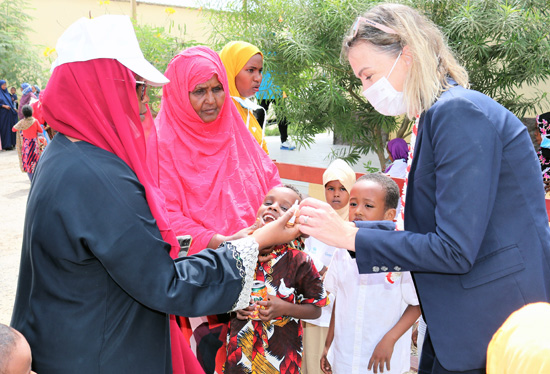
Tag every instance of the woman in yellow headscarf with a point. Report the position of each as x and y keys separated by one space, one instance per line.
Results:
x=522 y=343
x=244 y=63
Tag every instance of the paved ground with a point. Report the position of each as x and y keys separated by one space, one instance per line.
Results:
x=14 y=188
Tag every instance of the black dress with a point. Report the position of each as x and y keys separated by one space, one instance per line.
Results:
x=8 y=118
x=96 y=281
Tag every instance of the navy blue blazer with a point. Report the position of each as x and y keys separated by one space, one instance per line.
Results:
x=477 y=239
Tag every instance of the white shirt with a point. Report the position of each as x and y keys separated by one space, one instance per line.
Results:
x=398 y=169
x=367 y=307
x=321 y=254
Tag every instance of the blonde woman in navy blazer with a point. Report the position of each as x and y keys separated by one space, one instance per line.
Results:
x=477 y=238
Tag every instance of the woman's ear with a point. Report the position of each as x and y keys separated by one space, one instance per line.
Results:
x=407 y=55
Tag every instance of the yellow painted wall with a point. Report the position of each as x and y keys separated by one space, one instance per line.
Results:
x=52 y=17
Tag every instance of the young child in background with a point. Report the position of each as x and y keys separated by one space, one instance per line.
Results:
x=29 y=146
x=273 y=344
x=338 y=179
x=15 y=352
x=370 y=327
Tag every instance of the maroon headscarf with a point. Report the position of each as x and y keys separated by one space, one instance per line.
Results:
x=95 y=101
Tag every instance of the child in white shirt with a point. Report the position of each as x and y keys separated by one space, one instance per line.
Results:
x=338 y=179
x=370 y=327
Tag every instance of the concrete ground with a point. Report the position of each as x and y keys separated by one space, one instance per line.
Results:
x=14 y=188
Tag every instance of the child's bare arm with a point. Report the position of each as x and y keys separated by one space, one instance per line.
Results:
x=384 y=349
x=275 y=307
x=325 y=364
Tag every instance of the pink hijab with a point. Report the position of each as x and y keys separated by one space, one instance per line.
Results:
x=214 y=175
x=95 y=101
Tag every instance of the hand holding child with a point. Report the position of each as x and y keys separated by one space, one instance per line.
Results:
x=381 y=355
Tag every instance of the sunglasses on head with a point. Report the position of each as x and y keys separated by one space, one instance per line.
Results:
x=369 y=22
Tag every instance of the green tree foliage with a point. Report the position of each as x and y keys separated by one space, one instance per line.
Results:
x=159 y=47
x=19 y=59
x=503 y=44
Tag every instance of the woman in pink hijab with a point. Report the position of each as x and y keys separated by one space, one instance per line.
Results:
x=213 y=173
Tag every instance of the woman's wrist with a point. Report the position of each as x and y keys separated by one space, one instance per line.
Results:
x=217 y=240
x=349 y=238
x=259 y=236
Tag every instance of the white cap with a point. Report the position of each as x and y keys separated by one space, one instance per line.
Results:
x=108 y=36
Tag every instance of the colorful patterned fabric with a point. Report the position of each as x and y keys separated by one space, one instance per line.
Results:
x=276 y=346
x=30 y=153
x=543 y=123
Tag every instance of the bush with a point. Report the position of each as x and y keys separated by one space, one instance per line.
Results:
x=503 y=44
x=19 y=59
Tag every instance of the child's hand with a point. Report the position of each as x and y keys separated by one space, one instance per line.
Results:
x=325 y=365
x=381 y=355
x=274 y=307
x=244 y=313
x=265 y=257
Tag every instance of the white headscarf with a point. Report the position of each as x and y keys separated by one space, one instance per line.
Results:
x=340 y=170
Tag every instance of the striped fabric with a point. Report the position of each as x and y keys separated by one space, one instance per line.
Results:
x=401 y=217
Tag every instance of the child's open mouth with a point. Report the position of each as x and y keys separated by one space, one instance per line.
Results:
x=268 y=217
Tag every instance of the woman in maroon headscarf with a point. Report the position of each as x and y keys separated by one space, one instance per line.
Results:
x=97 y=283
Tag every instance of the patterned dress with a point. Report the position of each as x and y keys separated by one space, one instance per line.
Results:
x=276 y=346
x=543 y=123
x=29 y=147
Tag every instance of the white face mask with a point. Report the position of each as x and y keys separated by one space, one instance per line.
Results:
x=247 y=103
x=384 y=98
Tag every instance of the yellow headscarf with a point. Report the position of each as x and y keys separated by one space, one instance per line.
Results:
x=522 y=343
x=234 y=56
x=340 y=170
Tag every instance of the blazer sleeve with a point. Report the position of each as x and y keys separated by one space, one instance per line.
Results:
x=467 y=154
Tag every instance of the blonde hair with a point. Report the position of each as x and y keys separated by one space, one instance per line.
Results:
x=432 y=63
